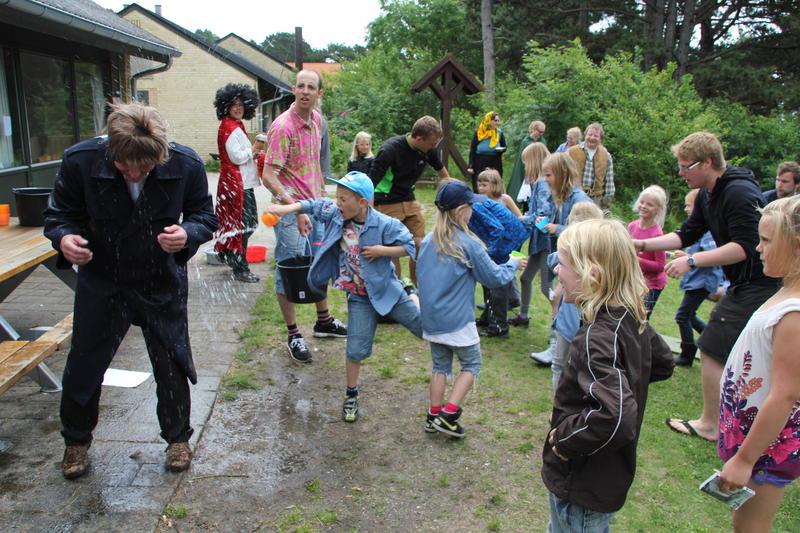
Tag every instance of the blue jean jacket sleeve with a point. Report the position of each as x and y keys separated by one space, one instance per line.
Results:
x=321 y=209
x=486 y=271
x=396 y=234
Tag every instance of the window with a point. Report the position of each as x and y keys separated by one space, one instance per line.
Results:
x=143 y=97
x=91 y=105
x=47 y=86
x=10 y=144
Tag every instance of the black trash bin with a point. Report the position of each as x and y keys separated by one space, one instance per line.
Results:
x=31 y=203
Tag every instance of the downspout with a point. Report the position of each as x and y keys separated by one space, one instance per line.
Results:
x=282 y=94
x=147 y=72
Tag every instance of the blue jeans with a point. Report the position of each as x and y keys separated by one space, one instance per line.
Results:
x=468 y=356
x=686 y=316
x=289 y=243
x=362 y=319
x=650 y=300
x=566 y=517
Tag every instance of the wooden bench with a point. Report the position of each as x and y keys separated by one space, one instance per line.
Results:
x=17 y=358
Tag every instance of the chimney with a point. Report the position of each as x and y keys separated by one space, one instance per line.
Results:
x=298 y=48
x=158 y=9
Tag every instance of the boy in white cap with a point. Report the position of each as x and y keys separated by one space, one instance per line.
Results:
x=355 y=256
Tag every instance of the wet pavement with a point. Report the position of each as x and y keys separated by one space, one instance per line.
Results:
x=127 y=486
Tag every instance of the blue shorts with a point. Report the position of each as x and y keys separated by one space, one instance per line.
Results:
x=362 y=319
x=566 y=517
x=468 y=356
x=764 y=476
x=289 y=243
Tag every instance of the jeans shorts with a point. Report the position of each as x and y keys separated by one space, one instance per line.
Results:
x=468 y=356
x=289 y=243
x=729 y=317
x=362 y=319
x=566 y=517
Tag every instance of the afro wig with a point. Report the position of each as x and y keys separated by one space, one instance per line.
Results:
x=232 y=91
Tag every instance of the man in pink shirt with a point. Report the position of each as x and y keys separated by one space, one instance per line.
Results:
x=291 y=173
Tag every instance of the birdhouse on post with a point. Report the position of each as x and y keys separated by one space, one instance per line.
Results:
x=447 y=79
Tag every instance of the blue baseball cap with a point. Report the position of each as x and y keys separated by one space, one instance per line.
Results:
x=454 y=194
x=358 y=182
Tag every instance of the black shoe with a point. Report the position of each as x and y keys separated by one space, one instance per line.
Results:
x=481 y=306
x=495 y=331
x=298 y=349
x=350 y=409
x=333 y=328
x=683 y=361
x=482 y=321
x=246 y=276
x=688 y=351
x=408 y=286
x=429 y=418
x=447 y=423
x=518 y=321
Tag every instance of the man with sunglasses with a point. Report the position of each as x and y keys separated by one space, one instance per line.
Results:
x=726 y=205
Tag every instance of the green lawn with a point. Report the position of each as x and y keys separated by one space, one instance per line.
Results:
x=508 y=414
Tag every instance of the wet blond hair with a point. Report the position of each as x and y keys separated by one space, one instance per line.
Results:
x=603 y=256
x=565 y=174
x=784 y=214
x=532 y=157
x=492 y=177
x=361 y=136
x=584 y=211
x=137 y=135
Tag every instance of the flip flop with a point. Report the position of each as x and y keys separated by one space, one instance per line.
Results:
x=690 y=431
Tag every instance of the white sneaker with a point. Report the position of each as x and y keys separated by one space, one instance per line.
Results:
x=546 y=357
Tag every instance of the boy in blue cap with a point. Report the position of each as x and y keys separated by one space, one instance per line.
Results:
x=356 y=255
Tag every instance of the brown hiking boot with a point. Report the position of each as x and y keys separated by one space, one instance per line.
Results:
x=179 y=456
x=75 y=462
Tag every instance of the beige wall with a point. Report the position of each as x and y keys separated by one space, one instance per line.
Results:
x=275 y=68
x=184 y=94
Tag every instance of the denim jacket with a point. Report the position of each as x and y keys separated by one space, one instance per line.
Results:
x=568 y=319
x=708 y=278
x=447 y=286
x=383 y=287
x=540 y=205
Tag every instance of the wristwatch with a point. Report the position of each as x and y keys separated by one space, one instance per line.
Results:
x=690 y=261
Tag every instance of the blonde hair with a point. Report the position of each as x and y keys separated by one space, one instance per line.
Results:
x=137 y=135
x=660 y=196
x=784 y=213
x=691 y=196
x=700 y=146
x=444 y=230
x=603 y=256
x=532 y=157
x=492 y=177
x=565 y=174
x=577 y=131
x=361 y=136
x=584 y=211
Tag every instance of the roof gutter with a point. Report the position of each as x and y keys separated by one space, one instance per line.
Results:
x=59 y=16
x=148 y=72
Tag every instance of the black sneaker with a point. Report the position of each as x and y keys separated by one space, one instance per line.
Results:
x=350 y=409
x=518 y=321
x=246 y=276
x=495 y=331
x=334 y=328
x=429 y=418
x=447 y=423
x=298 y=349
x=408 y=286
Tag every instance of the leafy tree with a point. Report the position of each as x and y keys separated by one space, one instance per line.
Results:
x=281 y=45
x=207 y=35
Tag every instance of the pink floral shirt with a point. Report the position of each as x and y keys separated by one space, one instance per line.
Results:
x=293 y=146
x=745 y=385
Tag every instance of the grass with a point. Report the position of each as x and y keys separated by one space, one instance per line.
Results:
x=494 y=473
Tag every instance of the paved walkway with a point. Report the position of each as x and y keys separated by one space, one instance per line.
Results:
x=127 y=487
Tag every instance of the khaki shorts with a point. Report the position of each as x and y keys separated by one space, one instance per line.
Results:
x=409 y=213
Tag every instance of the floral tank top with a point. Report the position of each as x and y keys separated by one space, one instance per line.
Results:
x=745 y=385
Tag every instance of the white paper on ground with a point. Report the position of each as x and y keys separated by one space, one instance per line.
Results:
x=124 y=378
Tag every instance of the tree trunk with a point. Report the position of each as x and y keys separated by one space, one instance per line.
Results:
x=685 y=37
x=487 y=34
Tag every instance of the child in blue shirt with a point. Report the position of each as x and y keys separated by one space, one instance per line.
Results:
x=356 y=256
x=451 y=260
x=696 y=285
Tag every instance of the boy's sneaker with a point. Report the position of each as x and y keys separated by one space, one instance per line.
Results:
x=298 y=349
x=334 y=328
x=447 y=423
x=429 y=418
x=350 y=409
x=495 y=331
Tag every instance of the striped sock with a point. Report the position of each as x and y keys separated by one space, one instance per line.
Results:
x=323 y=317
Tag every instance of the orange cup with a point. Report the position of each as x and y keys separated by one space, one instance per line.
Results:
x=5 y=214
x=269 y=219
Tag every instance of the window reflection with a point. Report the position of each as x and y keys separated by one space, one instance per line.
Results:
x=47 y=88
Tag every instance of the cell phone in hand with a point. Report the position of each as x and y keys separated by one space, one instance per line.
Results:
x=733 y=499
